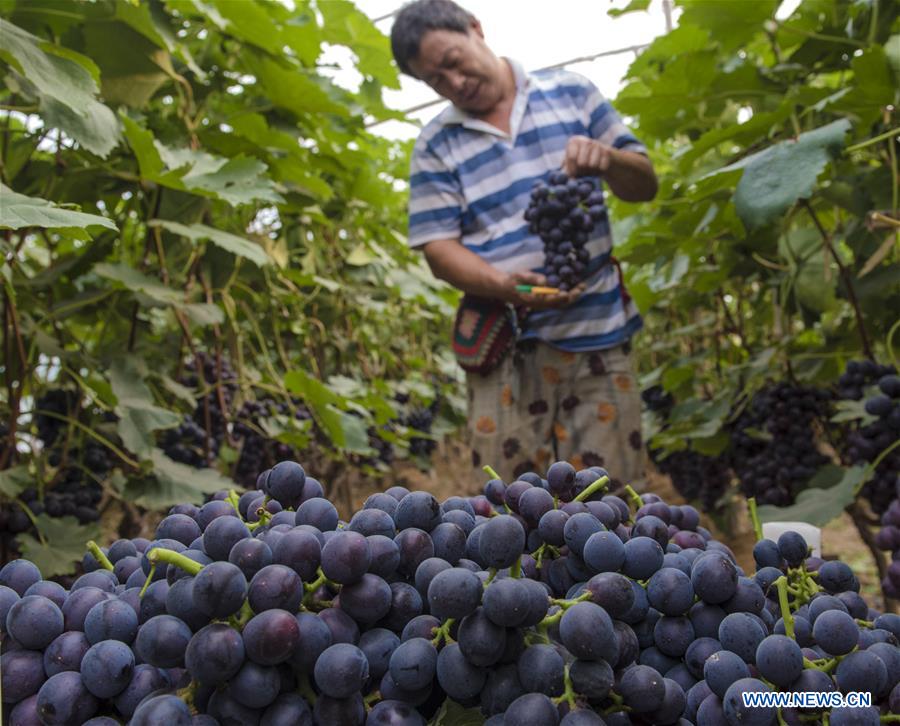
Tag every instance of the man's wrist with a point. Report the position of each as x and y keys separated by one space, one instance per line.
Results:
x=615 y=161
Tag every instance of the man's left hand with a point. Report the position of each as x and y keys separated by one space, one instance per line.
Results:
x=587 y=157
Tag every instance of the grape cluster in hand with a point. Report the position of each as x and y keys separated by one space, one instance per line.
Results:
x=563 y=212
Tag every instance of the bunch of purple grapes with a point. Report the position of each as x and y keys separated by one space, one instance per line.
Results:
x=867 y=443
x=80 y=464
x=773 y=442
x=545 y=601
x=563 y=212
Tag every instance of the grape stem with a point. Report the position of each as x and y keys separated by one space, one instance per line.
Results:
x=569 y=693
x=754 y=517
x=563 y=605
x=442 y=633
x=489 y=470
x=99 y=556
x=233 y=499
x=781 y=584
x=187 y=694
x=305 y=689
x=148 y=580
x=826 y=665
x=566 y=604
x=317 y=583
x=372 y=698
x=516 y=570
x=618 y=703
x=635 y=498
x=538 y=554
x=161 y=554
x=593 y=488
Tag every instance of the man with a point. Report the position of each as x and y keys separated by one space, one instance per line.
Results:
x=568 y=391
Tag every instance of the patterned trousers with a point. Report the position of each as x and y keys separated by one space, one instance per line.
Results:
x=543 y=405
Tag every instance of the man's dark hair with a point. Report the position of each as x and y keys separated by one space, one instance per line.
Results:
x=417 y=18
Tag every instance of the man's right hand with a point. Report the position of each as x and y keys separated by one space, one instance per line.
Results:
x=535 y=301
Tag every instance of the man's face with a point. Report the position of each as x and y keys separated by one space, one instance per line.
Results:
x=460 y=67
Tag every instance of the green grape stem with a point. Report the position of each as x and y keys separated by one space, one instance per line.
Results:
x=161 y=554
x=305 y=689
x=635 y=498
x=566 y=604
x=442 y=633
x=317 y=583
x=489 y=470
x=781 y=584
x=516 y=570
x=99 y=556
x=599 y=485
x=148 y=580
x=234 y=500
x=754 y=517
x=187 y=695
x=569 y=694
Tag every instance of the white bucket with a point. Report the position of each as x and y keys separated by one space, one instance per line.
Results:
x=809 y=532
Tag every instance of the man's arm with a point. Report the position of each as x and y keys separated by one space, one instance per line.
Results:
x=628 y=174
x=452 y=262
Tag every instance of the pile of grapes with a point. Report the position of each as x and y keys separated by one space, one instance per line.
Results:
x=543 y=601
x=773 y=441
x=563 y=213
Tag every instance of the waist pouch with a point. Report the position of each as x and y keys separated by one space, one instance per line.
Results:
x=483 y=334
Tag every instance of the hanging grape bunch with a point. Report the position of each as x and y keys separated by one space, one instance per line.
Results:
x=694 y=475
x=867 y=443
x=563 y=213
x=773 y=442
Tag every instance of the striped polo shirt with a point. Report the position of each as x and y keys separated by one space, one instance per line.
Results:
x=472 y=182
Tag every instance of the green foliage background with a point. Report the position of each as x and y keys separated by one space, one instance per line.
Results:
x=760 y=258
x=183 y=176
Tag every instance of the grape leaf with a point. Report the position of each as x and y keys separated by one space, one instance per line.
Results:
x=18 y=211
x=819 y=506
x=138 y=415
x=65 y=83
x=14 y=481
x=776 y=177
x=173 y=483
x=238 y=246
x=137 y=281
x=63 y=545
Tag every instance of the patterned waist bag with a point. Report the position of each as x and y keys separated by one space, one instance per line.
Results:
x=484 y=333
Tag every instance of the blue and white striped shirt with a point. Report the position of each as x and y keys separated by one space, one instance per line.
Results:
x=472 y=182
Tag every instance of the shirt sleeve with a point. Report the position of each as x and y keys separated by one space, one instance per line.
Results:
x=604 y=123
x=435 y=198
